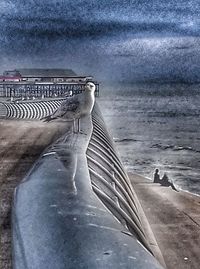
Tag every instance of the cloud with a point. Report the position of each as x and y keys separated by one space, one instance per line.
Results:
x=118 y=39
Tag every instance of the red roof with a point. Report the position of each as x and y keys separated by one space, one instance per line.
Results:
x=10 y=78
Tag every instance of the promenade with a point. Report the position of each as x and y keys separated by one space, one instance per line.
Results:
x=21 y=143
x=174 y=218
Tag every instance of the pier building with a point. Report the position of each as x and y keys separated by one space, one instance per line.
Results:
x=42 y=83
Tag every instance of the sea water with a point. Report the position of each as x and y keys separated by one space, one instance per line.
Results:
x=156 y=126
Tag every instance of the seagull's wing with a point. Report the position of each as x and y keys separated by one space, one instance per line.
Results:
x=71 y=104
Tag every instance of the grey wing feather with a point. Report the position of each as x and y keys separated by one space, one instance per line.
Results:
x=70 y=104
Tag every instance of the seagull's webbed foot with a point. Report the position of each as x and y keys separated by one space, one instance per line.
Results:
x=81 y=132
x=78 y=132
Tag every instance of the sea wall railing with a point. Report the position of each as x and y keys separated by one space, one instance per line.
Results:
x=76 y=207
x=30 y=109
x=109 y=180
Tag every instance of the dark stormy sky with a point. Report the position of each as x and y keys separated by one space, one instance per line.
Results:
x=111 y=39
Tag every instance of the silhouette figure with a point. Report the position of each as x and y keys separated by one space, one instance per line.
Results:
x=165 y=181
x=156 y=178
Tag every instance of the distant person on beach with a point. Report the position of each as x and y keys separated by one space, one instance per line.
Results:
x=156 y=177
x=165 y=181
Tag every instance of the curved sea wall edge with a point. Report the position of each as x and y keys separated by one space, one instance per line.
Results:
x=76 y=208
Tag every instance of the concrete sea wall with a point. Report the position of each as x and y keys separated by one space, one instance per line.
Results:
x=76 y=208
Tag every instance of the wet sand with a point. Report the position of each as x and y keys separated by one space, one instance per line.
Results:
x=21 y=143
x=175 y=221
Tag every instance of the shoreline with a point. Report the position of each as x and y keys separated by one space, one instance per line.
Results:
x=164 y=126
x=177 y=186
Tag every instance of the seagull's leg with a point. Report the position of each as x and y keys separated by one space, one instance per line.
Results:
x=78 y=125
x=74 y=126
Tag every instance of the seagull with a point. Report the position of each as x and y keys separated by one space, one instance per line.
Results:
x=75 y=107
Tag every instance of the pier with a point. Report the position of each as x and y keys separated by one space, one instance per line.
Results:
x=41 y=90
x=42 y=83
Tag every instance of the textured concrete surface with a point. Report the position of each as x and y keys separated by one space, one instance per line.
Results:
x=175 y=220
x=59 y=222
x=21 y=143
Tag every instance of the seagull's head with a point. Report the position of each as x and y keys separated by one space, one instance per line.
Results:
x=90 y=87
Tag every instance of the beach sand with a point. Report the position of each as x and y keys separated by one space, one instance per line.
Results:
x=174 y=218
